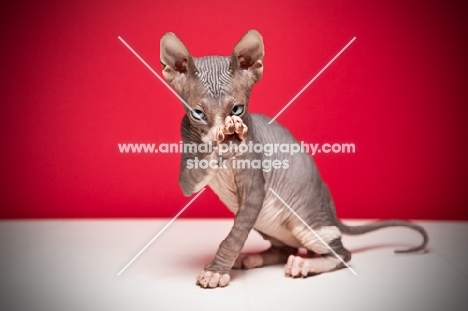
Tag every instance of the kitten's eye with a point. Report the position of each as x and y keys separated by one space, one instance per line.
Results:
x=237 y=110
x=198 y=114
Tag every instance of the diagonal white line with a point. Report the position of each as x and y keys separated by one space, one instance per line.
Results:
x=313 y=79
x=313 y=231
x=159 y=77
x=161 y=231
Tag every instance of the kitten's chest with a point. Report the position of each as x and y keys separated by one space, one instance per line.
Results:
x=224 y=185
x=272 y=217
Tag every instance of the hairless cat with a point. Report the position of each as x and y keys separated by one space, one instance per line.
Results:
x=216 y=90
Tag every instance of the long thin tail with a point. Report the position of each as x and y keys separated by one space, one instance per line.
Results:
x=355 y=230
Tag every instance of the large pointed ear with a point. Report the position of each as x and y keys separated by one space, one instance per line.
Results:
x=175 y=59
x=248 y=54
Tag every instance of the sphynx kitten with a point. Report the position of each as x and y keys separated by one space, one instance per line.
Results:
x=217 y=90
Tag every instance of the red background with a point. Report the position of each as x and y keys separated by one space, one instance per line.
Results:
x=71 y=91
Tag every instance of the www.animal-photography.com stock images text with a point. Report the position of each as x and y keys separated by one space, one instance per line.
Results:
x=249 y=155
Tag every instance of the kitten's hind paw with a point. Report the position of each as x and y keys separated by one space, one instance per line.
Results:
x=297 y=267
x=248 y=261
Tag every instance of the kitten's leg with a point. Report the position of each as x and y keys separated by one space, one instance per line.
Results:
x=302 y=267
x=278 y=253
x=272 y=256
x=250 y=193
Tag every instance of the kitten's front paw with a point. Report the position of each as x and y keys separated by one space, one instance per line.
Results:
x=209 y=279
x=232 y=136
x=235 y=125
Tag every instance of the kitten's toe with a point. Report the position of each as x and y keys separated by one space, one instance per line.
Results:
x=220 y=135
x=239 y=127
x=228 y=126
x=242 y=132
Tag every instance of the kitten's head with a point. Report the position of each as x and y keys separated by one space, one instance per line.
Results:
x=213 y=86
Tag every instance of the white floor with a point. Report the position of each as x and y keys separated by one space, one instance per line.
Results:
x=73 y=265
